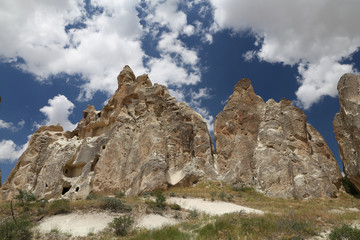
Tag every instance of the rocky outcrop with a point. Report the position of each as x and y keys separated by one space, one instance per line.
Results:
x=142 y=140
x=270 y=147
x=347 y=126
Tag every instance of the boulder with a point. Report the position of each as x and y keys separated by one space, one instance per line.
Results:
x=347 y=126
x=270 y=147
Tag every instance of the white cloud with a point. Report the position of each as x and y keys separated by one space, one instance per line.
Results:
x=189 y=30
x=58 y=111
x=166 y=71
x=11 y=126
x=97 y=52
x=305 y=32
x=9 y=151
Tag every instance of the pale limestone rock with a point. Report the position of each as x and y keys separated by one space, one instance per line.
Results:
x=347 y=126
x=269 y=146
x=142 y=140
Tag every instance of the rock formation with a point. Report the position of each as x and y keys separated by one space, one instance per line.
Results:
x=347 y=126
x=142 y=140
x=270 y=147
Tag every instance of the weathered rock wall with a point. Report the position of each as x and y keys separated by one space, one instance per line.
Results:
x=347 y=126
x=269 y=146
x=142 y=140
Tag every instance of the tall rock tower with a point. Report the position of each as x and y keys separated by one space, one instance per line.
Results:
x=270 y=147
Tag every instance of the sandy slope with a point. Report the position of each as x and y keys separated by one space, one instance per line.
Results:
x=211 y=208
x=77 y=224
x=80 y=224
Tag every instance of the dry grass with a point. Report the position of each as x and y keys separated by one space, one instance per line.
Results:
x=285 y=218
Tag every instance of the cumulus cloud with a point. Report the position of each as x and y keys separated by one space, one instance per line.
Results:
x=48 y=37
x=41 y=37
x=58 y=112
x=9 y=151
x=316 y=35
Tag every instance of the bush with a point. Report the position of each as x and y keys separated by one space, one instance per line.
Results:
x=119 y=194
x=18 y=231
x=25 y=197
x=344 y=232
x=175 y=207
x=121 y=225
x=115 y=205
x=59 y=207
x=194 y=213
x=222 y=195
x=91 y=196
x=160 y=199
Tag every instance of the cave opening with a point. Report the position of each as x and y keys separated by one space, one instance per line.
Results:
x=73 y=170
x=65 y=190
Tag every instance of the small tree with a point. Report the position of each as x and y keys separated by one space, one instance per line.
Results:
x=25 y=197
x=121 y=225
x=160 y=199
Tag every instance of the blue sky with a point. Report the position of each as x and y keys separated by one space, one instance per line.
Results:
x=56 y=57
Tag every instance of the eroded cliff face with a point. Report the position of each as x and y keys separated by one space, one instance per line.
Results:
x=347 y=126
x=142 y=140
x=269 y=146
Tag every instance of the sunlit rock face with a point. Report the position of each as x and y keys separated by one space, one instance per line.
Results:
x=142 y=140
x=270 y=147
x=347 y=126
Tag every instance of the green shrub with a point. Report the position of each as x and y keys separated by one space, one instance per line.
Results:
x=194 y=213
x=59 y=207
x=175 y=207
x=222 y=195
x=91 y=196
x=121 y=225
x=345 y=232
x=160 y=199
x=119 y=194
x=18 y=231
x=213 y=194
x=172 y=194
x=115 y=205
x=25 y=197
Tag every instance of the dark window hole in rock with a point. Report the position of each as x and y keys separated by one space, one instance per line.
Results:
x=103 y=147
x=65 y=190
x=46 y=185
x=77 y=189
x=99 y=114
x=73 y=170
x=95 y=161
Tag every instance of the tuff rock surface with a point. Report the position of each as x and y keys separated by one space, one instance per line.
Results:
x=142 y=140
x=347 y=126
x=270 y=147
